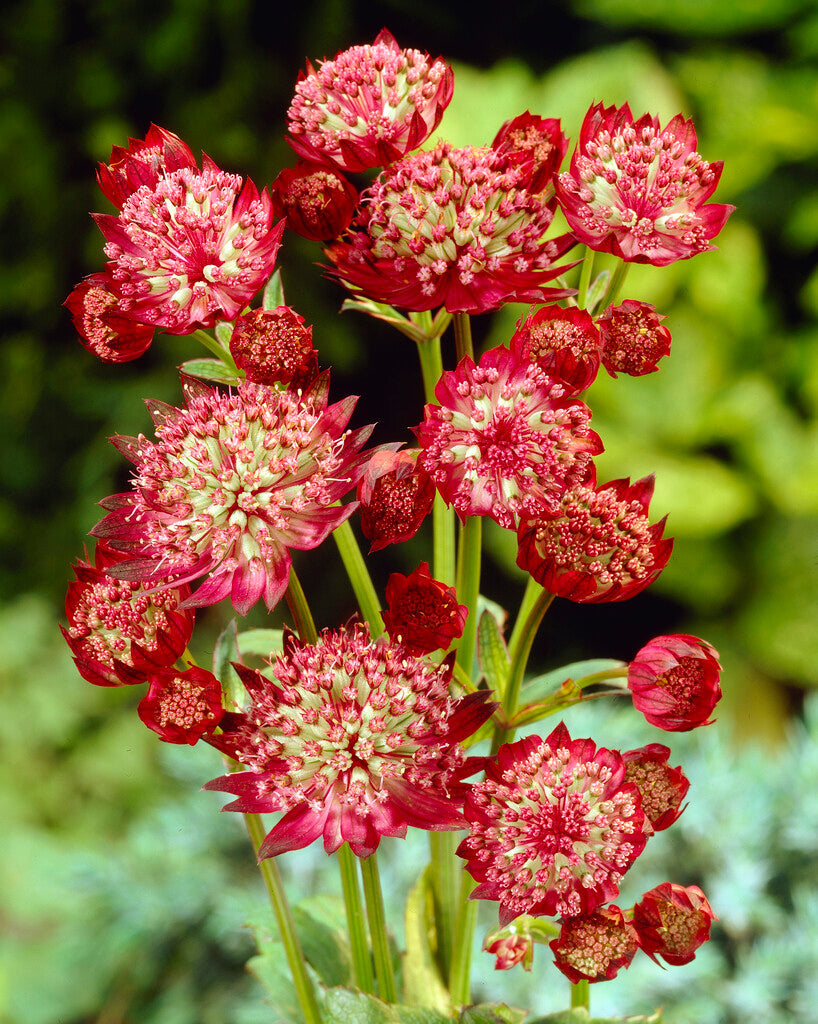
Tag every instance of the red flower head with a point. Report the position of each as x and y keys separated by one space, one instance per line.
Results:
x=192 y=249
x=674 y=681
x=510 y=949
x=593 y=947
x=117 y=632
x=451 y=227
x=564 y=342
x=142 y=162
x=369 y=106
x=661 y=787
x=102 y=327
x=317 y=200
x=554 y=827
x=534 y=144
x=638 y=191
x=672 y=921
x=598 y=545
x=354 y=740
x=395 y=496
x=230 y=484
x=273 y=346
x=181 y=707
x=423 y=612
x=633 y=338
x=506 y=439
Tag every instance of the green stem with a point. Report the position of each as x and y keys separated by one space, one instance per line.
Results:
x=444 y=889
x=532 y=592
x=468 y=586
x=218 y=350
x=431 y=367
x=361 y=959
x=462 y=336
x=585 y=277
x=460 y=975
x=581 y=994
x=300 y=610
x=618 y=279
x=377 y=929
x=281 y=909
x=362 y=585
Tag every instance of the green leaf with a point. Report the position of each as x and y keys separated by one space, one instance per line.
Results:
x=225 y=651
x=262 y=642
x=597 y=290
x=547 y=685
x=381 y=311
x=341 y=1006
x=224 y=332
x=492 y=653
x=422 y=983
x=323 y=942
x=210 y=369
x=272 y=970
x=492 y=1013
x=273 y=292
x=580 y=1015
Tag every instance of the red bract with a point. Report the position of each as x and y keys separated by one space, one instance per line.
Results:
x=506 y=439
x=317 y=200
x=554 y=827
x=598 y=544
x=672 y=921
x=564 y=342
x=192 y=249
x=369 y=105
x=117 y=632
x=510 y=950
x=181 y=707
x=674 y=681
x=536 y=145
x=633 y=338
x=142 y=162
x=395 y=496
x=273 y=346
x=451 y=227
x=422 y=612
x=102 y=327
x=595 y=946
x=661 y=787
x=638 y=191
x=354 y=740
x=230 y=484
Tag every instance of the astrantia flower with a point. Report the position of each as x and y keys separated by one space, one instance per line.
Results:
x=369 y=105
x=640 y=191
x=564 y=342
x=181 y=707
x=554 y=827
x=534 y=144
x=117 y=632
x=422 y=611
x=510 y=947
x=231 y=482
x=354 y=739
x=661 y=787
x=142 y=162
x=672 y=921
x=103 y=328
x=633 y=338
x=395 y=496
x=674 y=681
x=595 y=946
x=598 y=545
x=317 y=200
x=506 y=439
x=192 y=249
x=451 y=227
x=273 y=346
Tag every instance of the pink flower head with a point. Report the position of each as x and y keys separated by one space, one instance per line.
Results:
x=396 y=495
x=506 y=439
x=181 y=707
x=102 y=327
x=273 y=346
x=564 y=342
x=661 y=787
x=674 y=681
x=554 y=827
x=142 y=162
x=422 y=612
x=451 y=227
x=119 y=632
x=192 y=249
x=229 y=485
x=638 y=191
x=317 y=200
x=510 y=947
x=598 y=545
x=672 y=921
x=633 y=338
x=369 y=105
x=534 y=144
x=593 y=947
x=353 y=740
